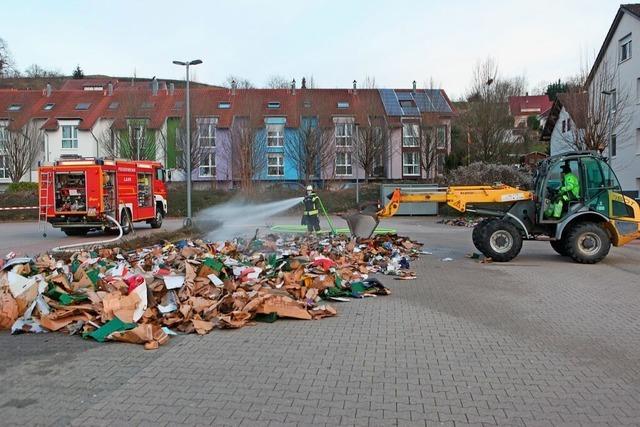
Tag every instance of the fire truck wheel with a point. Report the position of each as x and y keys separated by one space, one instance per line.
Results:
x=125 y=222
x=75 y=231
x=157 y=221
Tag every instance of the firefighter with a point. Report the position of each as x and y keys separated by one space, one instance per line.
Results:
x=311 y=204
x=570 y=190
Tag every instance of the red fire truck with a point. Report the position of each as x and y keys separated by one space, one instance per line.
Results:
x=77 y=193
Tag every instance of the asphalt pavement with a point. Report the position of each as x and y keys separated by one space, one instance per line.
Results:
x=537 y=341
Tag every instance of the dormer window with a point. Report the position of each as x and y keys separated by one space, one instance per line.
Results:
x=83 y=106
x=343 y=104
x=273 y=105
x=147 y=105
x=178 y=105
x=114 y=105
x=48 y=107
x=408 y=104
x=224 y=105
x=14 y=107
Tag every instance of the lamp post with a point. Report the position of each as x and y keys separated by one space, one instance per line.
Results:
x=186 y=64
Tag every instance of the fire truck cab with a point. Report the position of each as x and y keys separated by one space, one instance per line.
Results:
x=78 y=193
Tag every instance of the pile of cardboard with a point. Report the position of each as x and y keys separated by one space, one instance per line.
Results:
x=461 y=221
x=193 y=287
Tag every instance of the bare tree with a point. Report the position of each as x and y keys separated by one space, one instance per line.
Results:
x=487 y=120
x=596 y=113
x=371 y=146
x=240 y=82
x=7 y=66
x=21 y=148
x=277 y=81
x=428 y=146
x=312 y=151
x=129 y=135
x=35 y=71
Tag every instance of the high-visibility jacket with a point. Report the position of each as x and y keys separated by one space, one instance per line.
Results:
x=570 y=187
x=311 y=202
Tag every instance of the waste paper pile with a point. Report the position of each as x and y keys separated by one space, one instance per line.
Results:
x=461 y=221
x=146 y=295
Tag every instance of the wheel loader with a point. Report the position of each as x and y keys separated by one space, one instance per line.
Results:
x=589 y=224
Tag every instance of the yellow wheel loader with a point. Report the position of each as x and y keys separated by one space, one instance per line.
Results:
x=587 y=227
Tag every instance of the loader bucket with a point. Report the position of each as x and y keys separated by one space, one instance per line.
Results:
x=362 y=225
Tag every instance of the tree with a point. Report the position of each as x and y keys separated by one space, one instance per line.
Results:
x=21 y=148
x=35 y=71
x=596 y=113
x=78 y=73
x=311 y=150
x=370 y=146
x=240 y=82
x=202 y=128
x=553 y=89
x=7 y=66
x=428 y=146
x=278 y=82
x=487 y=120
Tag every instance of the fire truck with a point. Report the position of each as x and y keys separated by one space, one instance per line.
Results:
x=78 y=193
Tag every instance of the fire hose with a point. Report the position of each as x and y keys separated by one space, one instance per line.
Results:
x=95 y=242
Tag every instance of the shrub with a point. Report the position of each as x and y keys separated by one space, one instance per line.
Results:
x=22 y=187
x=480 y=173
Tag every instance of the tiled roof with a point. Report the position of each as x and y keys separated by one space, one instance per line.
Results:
x=528 y=105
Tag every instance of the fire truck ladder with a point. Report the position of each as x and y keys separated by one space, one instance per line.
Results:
x=46 y=179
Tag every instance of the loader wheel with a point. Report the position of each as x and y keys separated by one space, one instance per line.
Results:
x=476 y=234
x=157 y=221
x=588 y=243
x=75 y=231
x=559 y=246
x=500 y=240
x=125 y=222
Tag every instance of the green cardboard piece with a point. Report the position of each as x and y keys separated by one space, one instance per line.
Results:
x=94 y=276
x=113 y=325
x=214 y=264
x=67 y=299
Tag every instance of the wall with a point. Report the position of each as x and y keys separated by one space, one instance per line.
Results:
x=626 y=163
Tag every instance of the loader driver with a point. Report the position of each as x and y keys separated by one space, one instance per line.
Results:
x=570 y=190
x=310 y=217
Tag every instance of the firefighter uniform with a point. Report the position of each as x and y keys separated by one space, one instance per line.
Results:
x=310 y=217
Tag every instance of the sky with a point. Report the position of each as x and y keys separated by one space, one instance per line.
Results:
x=393 y=41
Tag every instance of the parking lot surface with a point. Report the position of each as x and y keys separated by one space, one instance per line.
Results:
x=538 y=341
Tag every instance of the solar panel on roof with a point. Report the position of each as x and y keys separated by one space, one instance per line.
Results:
x=404 y=96
x=390 y=102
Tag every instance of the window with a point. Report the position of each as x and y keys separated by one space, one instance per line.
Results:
x=410 y=166
x=343 y=163
x=4 y=170
x=275 y=164
x=4 y=136
x=138 y=139
x=208 y=165
x=410 y=134
x=273 y=104
x=14 y=107
x=568 y=125
x=344 y=134
x=307 y=104
x=147 y=105
x=408 y=104
x=564 y=126
x=343 y=104
x=441 y=137
x=224 y=105
x=48 y=107
x=638 y=141
x=114 y=105
x=614 y=99
x=93 y=88
x=440 y=163
x=613 y=147
x=83 y=106
x=69 y=136
x=275 y=135
x=178 y=105
x=206 y=131
x=625 y=48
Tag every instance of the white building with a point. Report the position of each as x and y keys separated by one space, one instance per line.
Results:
x=564 y=124
x=618 y=59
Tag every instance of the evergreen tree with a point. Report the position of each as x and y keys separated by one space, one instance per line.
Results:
x=78 y=73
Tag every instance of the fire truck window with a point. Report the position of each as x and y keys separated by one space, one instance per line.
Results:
x=160 y=174
x=145 y=198
x=71 y=192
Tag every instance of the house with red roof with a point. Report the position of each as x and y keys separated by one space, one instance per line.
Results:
x=523 y=107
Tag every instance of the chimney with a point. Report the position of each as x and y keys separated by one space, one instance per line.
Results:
x=293 y=87
x=415 y=86
x=172 y=88
x=355 y=86
x=234 y=86
x=304 y=83
x=48 y=90
x=109 y=89
x=526 y=94
x=154 y=87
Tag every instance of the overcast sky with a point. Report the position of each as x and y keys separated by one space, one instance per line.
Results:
x=395 y=41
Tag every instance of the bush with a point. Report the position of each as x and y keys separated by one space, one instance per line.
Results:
x=22 y=187
x=480 y=173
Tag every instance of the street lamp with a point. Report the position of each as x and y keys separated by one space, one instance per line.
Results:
x=188 y=221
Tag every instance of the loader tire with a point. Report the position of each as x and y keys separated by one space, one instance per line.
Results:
x=476 y=234
x=559 y=246
x=587 y=243
x=500 y=240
